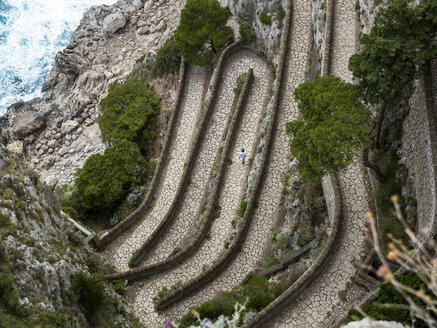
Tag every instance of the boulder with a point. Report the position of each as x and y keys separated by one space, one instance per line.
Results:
x=16 y=147
x=68 y=126
x=112 y=23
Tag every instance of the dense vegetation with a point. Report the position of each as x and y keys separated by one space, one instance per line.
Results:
x=129 y=112
x=387 y=294
x=394 y=53
x=105 y=179
x=202 y=31
x=334 y=126
x=128 y=121
x=167 y=60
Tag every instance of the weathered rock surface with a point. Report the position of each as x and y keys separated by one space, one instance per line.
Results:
x=40 y=251
x=60 y=127
x=113 y=23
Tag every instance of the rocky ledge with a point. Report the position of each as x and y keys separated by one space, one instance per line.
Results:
x=58 y=132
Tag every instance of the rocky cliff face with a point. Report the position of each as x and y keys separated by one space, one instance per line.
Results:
x=59 y=130
x=39 y=252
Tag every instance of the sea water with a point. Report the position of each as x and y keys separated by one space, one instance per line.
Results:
x=31 y=33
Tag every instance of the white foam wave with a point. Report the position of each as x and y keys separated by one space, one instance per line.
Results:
x=31 y=33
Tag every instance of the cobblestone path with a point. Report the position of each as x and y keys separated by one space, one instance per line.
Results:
x=233 y=187
x=265 y=214
x=333 y=293
x=120 y=250
x=193 y=199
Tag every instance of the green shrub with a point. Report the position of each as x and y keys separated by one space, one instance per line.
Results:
x=120 y=286
x=212 y=309
x=387 y=294
x=265 y=18
x=95 y=264
x=129 y=112
x=105 y=179
x=90 y=289
x=245 y=29
x=168 y=59
x=257 y=289
x=240 y=84
x=243 y=207
x=281 y=13
x=305 y=231
x=71 y=212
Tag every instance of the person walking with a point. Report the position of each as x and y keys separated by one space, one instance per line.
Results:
x=242 y=155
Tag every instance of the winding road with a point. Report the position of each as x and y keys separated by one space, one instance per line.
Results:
x=332 y=293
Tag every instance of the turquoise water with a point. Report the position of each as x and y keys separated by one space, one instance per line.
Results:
x=31 y=33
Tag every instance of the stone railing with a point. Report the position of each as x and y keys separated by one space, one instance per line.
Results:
x=235 y=247
x=197 y=239
x=169 y=218
x=146 y=205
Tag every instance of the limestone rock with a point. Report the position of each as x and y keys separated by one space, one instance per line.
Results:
x=112 y=23
x=68 y=126
x=16 y=147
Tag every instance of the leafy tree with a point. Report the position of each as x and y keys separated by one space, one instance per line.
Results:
x=333 y=128
x=395 y=53
x=168 y=59
x=105 y=179
x=202 y=31
x=129 y=111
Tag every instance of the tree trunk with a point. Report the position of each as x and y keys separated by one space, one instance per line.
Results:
x=379 y=176
x=381 y=115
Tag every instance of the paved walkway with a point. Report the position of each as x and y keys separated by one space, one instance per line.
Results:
x=265 y=214
x=194 y=196
x=330 y=296
x=234 y=185
x=120 y=250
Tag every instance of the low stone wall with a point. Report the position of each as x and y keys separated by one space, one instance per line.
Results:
x=169 y=218
x=198 y=238
x=145 y=206
x=222 y=263
x=330 y=185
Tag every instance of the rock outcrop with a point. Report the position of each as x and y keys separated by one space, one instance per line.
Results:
x=39 y=252
x=59 y=130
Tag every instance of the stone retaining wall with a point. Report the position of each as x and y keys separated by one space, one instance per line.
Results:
x=169 y=218
x=145 y=206
x=237 y=243
x=419 y=146
x=210 y=214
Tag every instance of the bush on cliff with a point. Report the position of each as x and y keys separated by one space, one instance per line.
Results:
x=202 y=31
x=129 y=112
x=90 y=290
x=334 y=126
x=168 y=59
x=105 y=179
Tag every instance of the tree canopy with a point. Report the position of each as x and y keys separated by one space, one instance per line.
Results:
x=334 y=126
x=105 y=179
x=202 y=31
x=129 y=111
x=396 y=50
